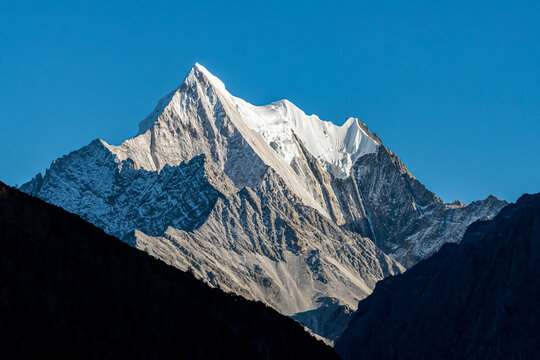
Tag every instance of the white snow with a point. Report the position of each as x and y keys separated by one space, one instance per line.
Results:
x=213 y=79
x=336 y=147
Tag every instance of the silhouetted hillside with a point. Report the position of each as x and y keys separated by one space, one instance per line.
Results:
x=69 y=290
x=479 y=299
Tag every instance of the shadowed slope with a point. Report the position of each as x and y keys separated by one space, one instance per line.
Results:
x=67 y=289
x=478 y=299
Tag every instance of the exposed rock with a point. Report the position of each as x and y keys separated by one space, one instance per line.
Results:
x=330 y=319
x=263 y=245
x=409 y=222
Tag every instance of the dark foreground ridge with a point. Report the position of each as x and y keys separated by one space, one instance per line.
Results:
x=68 y=290
x=479 y=299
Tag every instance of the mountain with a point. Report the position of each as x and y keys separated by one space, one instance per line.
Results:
x=475 y=300
x=263 y=201
x=71 y=291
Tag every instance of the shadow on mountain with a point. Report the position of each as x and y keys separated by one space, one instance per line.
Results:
x=69 y=290
x=478 y=299
x=329 y=320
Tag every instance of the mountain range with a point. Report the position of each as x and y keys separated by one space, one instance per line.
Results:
x=262 y=201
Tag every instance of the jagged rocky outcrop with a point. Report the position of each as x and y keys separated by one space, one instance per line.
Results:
x=68 y=290
x=265 y=201
x=119 y=197
x=475 y=300
x=408 y=221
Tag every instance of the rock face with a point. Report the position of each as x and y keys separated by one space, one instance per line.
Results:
x=274 y=249
x=69 y=290
x=331 y=318
x=409 y=222
x=475 y=300
x=264 y=201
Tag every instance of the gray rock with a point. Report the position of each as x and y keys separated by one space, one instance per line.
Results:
x=409 y=222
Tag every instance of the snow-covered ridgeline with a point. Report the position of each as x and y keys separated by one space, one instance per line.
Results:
x=336 y=147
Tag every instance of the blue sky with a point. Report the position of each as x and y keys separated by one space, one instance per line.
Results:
x=452 y=87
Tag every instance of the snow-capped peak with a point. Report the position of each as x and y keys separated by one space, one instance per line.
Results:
x=336 y=147
x=202 y=117
x=213 y=79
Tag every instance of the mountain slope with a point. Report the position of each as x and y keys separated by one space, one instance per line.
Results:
x=409 y=222
x=70 y=290
x=287 y=255
x=478 y=299
x=265 y=201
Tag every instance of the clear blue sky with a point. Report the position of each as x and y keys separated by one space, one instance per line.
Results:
x=453 y=87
